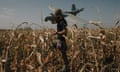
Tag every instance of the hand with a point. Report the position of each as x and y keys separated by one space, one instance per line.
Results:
x=54 y=33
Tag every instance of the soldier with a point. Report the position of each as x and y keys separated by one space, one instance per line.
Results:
x=61 y=32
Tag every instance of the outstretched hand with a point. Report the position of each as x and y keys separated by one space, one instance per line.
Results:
x=54 y=32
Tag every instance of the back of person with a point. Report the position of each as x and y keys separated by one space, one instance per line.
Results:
x=61 y=25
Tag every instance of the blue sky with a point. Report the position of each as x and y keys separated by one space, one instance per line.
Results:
x=13 y=12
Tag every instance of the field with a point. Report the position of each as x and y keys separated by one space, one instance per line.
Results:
x=89 y=50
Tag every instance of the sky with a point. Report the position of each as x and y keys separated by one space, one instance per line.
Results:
x=14 y=12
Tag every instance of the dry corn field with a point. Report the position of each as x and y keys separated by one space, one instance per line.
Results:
x=89 y=50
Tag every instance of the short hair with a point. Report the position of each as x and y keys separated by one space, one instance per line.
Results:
x=58 y=12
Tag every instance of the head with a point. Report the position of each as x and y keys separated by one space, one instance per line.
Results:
x=58 y=12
